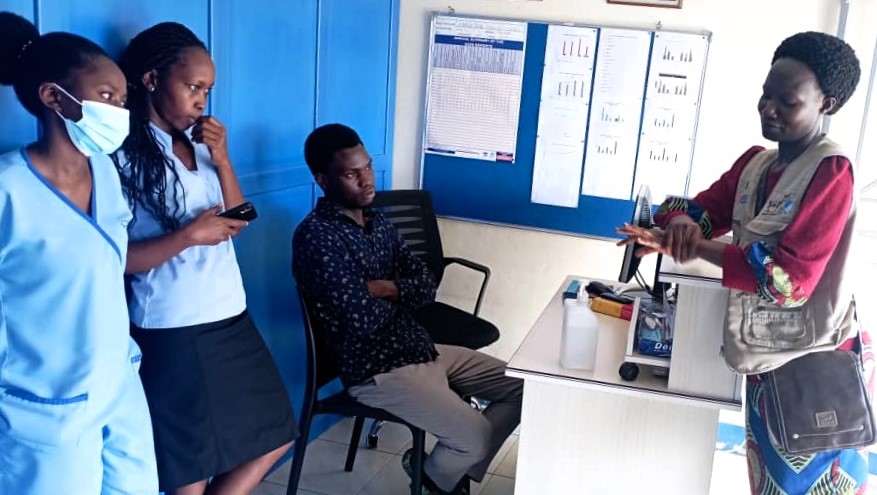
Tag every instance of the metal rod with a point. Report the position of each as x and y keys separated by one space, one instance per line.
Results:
x=841 y=33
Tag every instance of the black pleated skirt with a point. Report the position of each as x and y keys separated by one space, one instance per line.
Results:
x=215 y=397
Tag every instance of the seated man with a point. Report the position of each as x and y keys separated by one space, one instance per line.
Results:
x=362 y=284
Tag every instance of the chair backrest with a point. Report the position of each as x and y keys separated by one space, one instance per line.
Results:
x=412 y=213
x=320 y=366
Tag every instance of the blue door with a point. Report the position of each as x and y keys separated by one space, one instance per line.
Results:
x=283 y=67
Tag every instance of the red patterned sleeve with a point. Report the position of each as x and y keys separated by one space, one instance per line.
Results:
x=712 y=208
x=786 y=274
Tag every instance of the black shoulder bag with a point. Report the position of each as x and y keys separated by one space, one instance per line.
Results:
x=819 y=402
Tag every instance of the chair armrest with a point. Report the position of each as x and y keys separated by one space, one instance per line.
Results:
x=478 y=268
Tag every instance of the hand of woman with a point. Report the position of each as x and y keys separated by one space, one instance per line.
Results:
x=651 y=240
x=209 y=131
x=209 y=229
x=681 y=238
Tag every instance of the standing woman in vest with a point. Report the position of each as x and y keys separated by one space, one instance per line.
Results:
x=792 y=212
x=219 y=407
x=73 y=416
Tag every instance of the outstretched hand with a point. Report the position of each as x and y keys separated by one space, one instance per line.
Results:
x=651 y=240
x=681 y=238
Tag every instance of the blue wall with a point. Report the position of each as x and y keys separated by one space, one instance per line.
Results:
x=283 y=67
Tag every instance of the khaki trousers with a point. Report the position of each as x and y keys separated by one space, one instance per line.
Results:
x=428 y=396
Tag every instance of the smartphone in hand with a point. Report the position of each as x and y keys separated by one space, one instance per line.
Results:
x=245 y=211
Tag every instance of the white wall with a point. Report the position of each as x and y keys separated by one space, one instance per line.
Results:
x=528 y=265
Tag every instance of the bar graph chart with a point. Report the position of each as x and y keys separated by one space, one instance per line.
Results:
x=608 y=149
x=668 y=120
x=683 y=55
x=572 y=89
x=671 y=85
x=670 y=113
x=575 y=47
x=665 y=123
x=608 y=115
x=662 y=154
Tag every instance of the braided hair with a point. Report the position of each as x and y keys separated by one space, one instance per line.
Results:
x=145 y=183
x=830 y=58
x=28 y=60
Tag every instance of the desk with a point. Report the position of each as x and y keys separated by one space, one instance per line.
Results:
x=590 y=432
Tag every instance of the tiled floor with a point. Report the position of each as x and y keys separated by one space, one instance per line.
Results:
x=379 y=471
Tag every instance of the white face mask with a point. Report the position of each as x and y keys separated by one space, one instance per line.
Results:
x=102 y=128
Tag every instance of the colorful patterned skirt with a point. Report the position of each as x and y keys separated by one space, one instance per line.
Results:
x=773 y=471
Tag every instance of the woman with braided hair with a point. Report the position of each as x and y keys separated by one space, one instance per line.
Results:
x=73 y=415
x=792 y=213
x=219 y=407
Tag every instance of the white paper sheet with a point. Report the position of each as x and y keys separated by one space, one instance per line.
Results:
x=563 y=115
x=475 y=83
x=616 y=111
x=672 y=93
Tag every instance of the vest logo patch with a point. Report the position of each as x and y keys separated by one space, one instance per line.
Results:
x=744 y=198
x=783 y=206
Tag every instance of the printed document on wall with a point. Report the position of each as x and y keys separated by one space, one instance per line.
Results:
x=671 y=108
x=563 y=115
x=616 y=111
x=474 y=96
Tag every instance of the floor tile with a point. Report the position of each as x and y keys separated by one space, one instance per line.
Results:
x=392 y=437
x=509 y=464
x=323 y=470
x=390 y=480
x=478 y=488
x=393 y=480
x=378 y=472
x=340 y=431
x=499 y=485
x=501 y=453
x=280 y=476
x=267 y=488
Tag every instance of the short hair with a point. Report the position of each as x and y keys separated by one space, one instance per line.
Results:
x=322 y=144
x=831 y=59
x=28 y=60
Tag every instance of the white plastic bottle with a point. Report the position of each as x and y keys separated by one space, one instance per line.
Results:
x=578 y=343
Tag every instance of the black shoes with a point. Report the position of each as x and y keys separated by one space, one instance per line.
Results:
x=429 y=487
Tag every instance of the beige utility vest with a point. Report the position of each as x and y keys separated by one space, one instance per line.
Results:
x=760 y=336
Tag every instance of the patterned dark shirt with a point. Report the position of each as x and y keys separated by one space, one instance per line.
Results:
x=332 y=259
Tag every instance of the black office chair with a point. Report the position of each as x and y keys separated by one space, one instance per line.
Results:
x=412 y=213
x=320 y=371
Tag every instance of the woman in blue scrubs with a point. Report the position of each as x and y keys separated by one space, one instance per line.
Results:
x=219 y=407
x=73 y=415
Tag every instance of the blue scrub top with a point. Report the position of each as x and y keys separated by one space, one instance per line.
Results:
x=63 y=322
x=201 y=284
